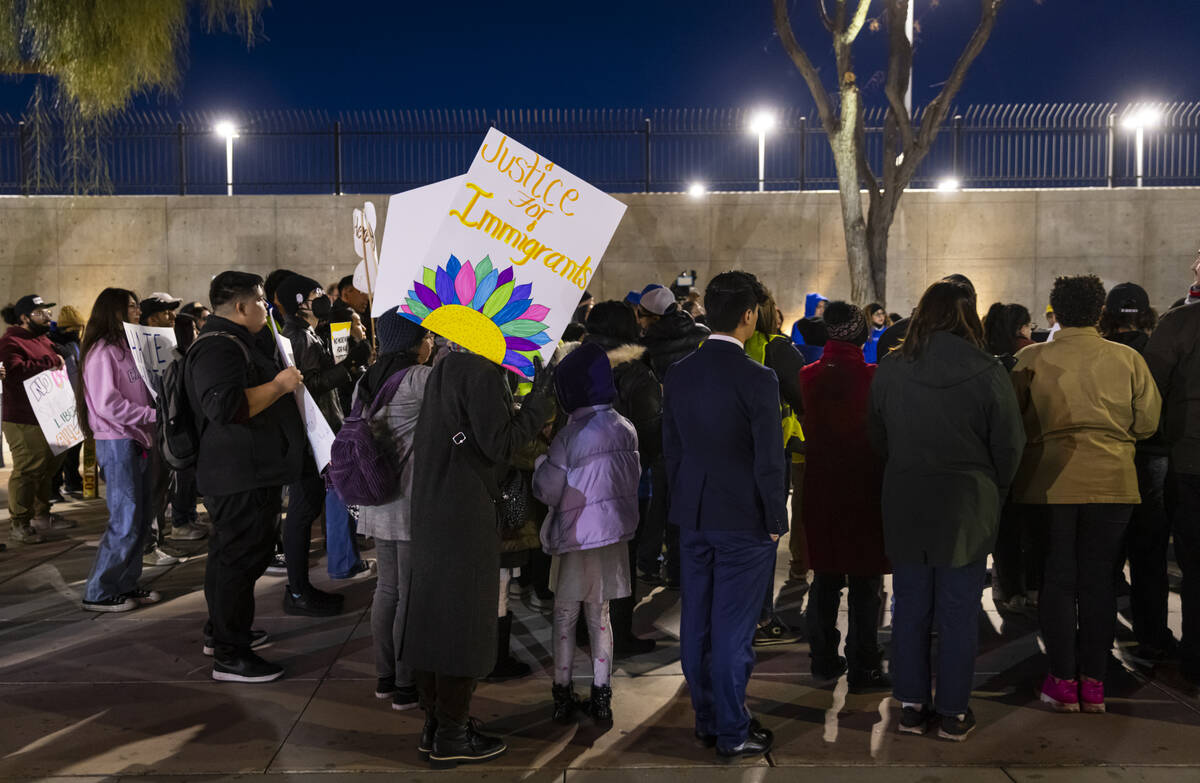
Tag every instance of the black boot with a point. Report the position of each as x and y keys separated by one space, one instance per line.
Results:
x=600 y=707
x=425 y=747
x=565 y=703
x=507 y=667
x=461 y=743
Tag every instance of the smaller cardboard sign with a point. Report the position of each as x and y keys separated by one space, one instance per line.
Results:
x=153 y=348
x=320 y=436
x=53 y=402
x=339 y=334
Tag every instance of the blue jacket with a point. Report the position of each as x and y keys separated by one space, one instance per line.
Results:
x=871 y=347
x=810 y=349
x=723 y=443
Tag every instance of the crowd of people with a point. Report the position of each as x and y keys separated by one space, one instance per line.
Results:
x=658 y=447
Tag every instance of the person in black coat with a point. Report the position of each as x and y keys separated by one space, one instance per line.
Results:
x=725 y=469
x=894 y=335
x=613 y=327
x=251 y=445
x=466 y=437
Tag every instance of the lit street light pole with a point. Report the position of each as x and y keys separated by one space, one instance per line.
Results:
x=1141 y=119
x=762 y=123
x=908 y=31
x=228 y=130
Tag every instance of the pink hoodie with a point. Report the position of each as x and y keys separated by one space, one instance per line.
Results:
x=118 y=402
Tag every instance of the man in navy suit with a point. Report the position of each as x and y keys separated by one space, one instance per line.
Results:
x=725 y=469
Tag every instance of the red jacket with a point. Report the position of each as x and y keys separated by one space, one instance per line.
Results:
x=24 y=356
x=843 y=477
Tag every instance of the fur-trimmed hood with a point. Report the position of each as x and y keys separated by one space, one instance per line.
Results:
x=631 y=352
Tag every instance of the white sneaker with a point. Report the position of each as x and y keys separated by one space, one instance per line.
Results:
x=157 y=557
x=25 y=534
x=188 y=532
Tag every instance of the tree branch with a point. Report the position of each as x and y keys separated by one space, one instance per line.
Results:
x=937 y=109
x=899 y=69
x=826 y=19
x=783 y=26
x=860 y=18
x=860 y=151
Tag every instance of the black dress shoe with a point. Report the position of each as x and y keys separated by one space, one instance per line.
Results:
x=455 y=744
x=245 y=668
x=870 y=681
x=710 y=740
x=757 y=744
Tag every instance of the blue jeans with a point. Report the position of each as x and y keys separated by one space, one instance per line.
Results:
x=340 y=542
x=125 y=466
x=949 y=597
x=724 y=575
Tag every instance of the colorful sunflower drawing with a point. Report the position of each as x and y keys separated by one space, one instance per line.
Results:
x=481 y=309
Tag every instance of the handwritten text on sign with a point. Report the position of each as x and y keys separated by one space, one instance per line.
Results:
x=53 y=402
x=153 y=348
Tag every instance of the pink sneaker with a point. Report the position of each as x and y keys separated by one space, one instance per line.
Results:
x=1091 y=695
x=1062 y=695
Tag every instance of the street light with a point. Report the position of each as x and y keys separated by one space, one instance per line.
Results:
x=697 y=190
x=1138 y=121
x=949 y=185
x=762 y=123
x=229 y=131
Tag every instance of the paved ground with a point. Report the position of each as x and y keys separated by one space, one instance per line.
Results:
x=105 y=697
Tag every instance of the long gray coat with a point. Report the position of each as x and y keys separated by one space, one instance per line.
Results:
x=453 y=602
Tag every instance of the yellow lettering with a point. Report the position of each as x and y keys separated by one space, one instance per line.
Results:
x=550 y=187
x=580 y=278
x=570 y=270
x=570 y=195
x=462 y=216
x=500 y=149
x=558 y=259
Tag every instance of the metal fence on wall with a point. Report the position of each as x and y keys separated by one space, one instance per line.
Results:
x=626 y=150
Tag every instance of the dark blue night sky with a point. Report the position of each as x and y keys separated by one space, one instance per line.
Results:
x=654 y=53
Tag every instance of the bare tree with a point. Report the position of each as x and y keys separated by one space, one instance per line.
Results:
x=904 y=147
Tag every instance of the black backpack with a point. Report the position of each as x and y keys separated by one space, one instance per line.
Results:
x=178 y=433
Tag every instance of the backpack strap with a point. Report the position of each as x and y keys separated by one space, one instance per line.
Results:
x=386 y=392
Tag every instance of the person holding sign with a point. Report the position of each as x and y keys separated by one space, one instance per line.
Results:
x=120 y=416
x=304 y=306
x=251 y=445
x=26 y=351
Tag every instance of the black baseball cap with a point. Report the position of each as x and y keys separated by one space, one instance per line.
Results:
x=27 y=304
x=1127 y=299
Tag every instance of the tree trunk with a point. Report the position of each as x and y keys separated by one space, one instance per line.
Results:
x=879 y=227
x=845 y=157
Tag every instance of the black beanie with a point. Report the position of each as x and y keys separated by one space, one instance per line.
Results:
x=292 y=292
x=396 y=332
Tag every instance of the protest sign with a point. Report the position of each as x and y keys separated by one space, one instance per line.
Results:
x=53 y=402
x=339 y=334
x=320 y=436
x=153 y=348
x=515 y=246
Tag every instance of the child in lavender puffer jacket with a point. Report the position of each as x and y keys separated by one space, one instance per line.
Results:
x=589 y=479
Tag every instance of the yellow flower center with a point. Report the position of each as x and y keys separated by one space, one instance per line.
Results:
x=469 y=328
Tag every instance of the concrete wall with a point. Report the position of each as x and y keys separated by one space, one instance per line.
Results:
x=1011 y=243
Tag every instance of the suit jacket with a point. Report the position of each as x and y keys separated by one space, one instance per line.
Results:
x=723 y=442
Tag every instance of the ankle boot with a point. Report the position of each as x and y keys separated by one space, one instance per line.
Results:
x=425 y=746
x=461 y=743
x=600 y=707
x=565 y=703
x=507 y=667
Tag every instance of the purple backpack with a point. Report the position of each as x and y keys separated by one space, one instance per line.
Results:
x=364 y=471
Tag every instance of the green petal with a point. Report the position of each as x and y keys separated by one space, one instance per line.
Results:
x=484 y=268
x=522 y=328
x=419 y=310
x=498 y=300
x=429 y=278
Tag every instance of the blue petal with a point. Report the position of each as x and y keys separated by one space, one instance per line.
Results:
x=453 y=266
x=445 y=287
x=511 y=311
x=485 y=289
x=522 y=291
x=540 y=339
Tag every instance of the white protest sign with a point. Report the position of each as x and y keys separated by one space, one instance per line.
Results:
x=413 y=219
x=514 y=249
x=53 y=402
x=153 y=348
x=366 y=274
x=339 y=335
x=320 y=436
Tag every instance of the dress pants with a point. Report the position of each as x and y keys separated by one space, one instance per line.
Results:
x=306 y=500
x=724 y=576
x=447 y=698
x=239 y=549
x=1146 y=540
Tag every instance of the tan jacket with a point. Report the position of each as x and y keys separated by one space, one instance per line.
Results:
x=1085 y=401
